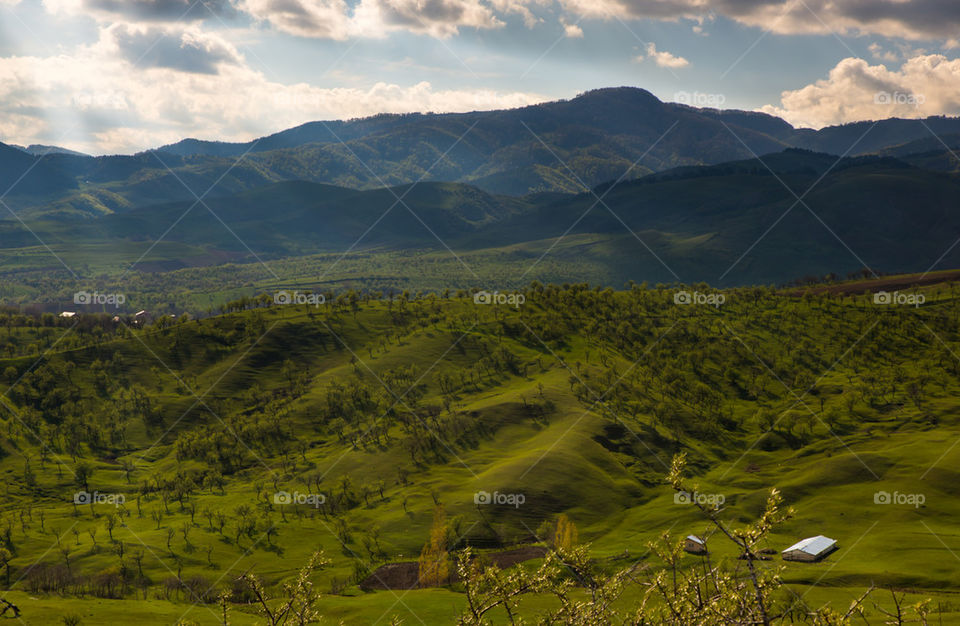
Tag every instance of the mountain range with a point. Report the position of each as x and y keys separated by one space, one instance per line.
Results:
x=687 y=224
x=644 y=190
x=565 y=146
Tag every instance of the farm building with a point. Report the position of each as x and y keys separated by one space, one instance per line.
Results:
x=694 y=545
x=810 y=549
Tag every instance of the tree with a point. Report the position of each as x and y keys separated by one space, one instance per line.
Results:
x=565 y=536
x=559 y=534
x=434 y=561
x=298 y=605
x=5 y=556
x=110 y=522
x=82 y=475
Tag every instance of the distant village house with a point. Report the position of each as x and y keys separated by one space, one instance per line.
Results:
x=694 y=545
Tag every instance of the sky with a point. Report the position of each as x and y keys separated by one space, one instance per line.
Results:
x=120 y=76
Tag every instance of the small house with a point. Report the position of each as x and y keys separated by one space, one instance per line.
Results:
x=811 y=549
x=694 y=545
x=68 y=314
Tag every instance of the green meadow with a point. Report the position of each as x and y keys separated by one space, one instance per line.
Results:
x=371 y=410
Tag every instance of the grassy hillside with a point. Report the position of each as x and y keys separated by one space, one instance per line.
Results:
x=731 y=224
x=576 y=399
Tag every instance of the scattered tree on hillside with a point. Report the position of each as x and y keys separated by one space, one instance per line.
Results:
x=434 y=563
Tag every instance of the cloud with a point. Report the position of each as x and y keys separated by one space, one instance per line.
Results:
x=662 y=58
x=522 y=8
x=439 y=18
x=158 y=47
x=98 y=101
x=335 y=19
x=143 y=10
x=327 y=19
x=573 y=31
x=339 y=19
x=895 y=52
x=912 y=19
x=854 y=91
x=878 y=52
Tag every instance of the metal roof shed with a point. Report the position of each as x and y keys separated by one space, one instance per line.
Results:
x=810 y=549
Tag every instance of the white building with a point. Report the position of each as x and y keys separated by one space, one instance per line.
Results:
x=810 y=549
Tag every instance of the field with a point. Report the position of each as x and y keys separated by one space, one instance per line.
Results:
x=371 y=411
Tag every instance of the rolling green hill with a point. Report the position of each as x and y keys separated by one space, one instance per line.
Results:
x=576 y=399
x=880 y=213
x=736 y=223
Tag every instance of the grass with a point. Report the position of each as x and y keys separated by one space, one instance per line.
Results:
x=533 y=427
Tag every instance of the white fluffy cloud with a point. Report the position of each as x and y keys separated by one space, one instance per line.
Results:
x=573 y=31
x=924 y=85
x=97 y=100
x=662 y=58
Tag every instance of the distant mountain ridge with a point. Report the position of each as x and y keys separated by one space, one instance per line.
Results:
x=697 y=221
x=855 y=138
x=563 y=146
x=40 y=150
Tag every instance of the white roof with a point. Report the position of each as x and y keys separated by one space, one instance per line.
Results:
x=813 y=545
x=68 y=314
x=695 y=538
